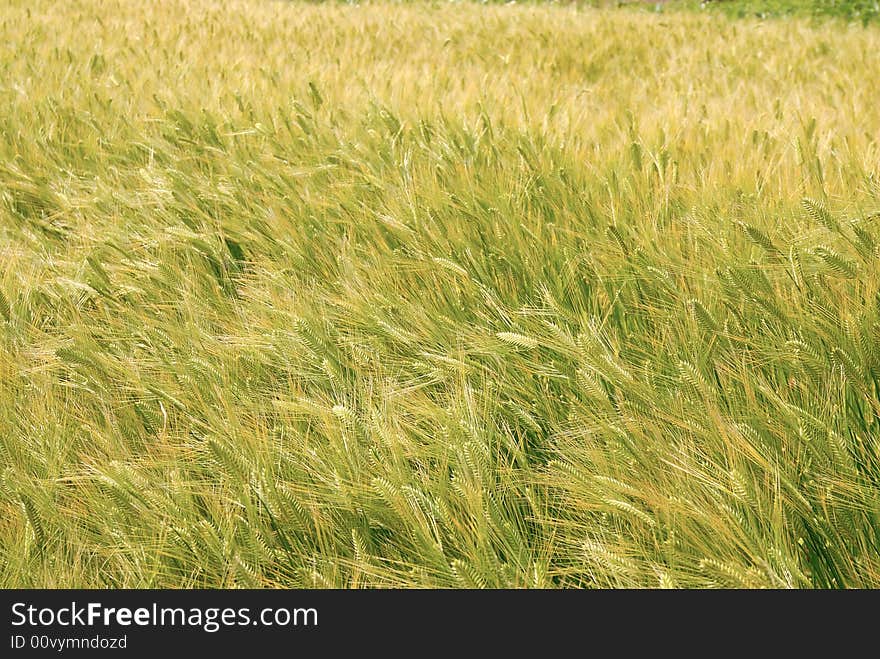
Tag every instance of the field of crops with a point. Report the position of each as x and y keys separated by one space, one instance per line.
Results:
x=437 y=295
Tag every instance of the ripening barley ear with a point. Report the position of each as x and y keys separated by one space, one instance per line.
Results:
x=692 y=376
x=819 y=213
x=760 y=239
x=467 y=575
x=229 y=460
x=520 y=340
x=243 y=574
x=5 y=309
x=36 y=523
x=317 y=99
x=615 y=233
x=704 y=319
x=850 y=368
x=865 y=243
x=836 y=263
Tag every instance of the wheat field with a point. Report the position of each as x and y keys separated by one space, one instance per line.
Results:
x=436 y=295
